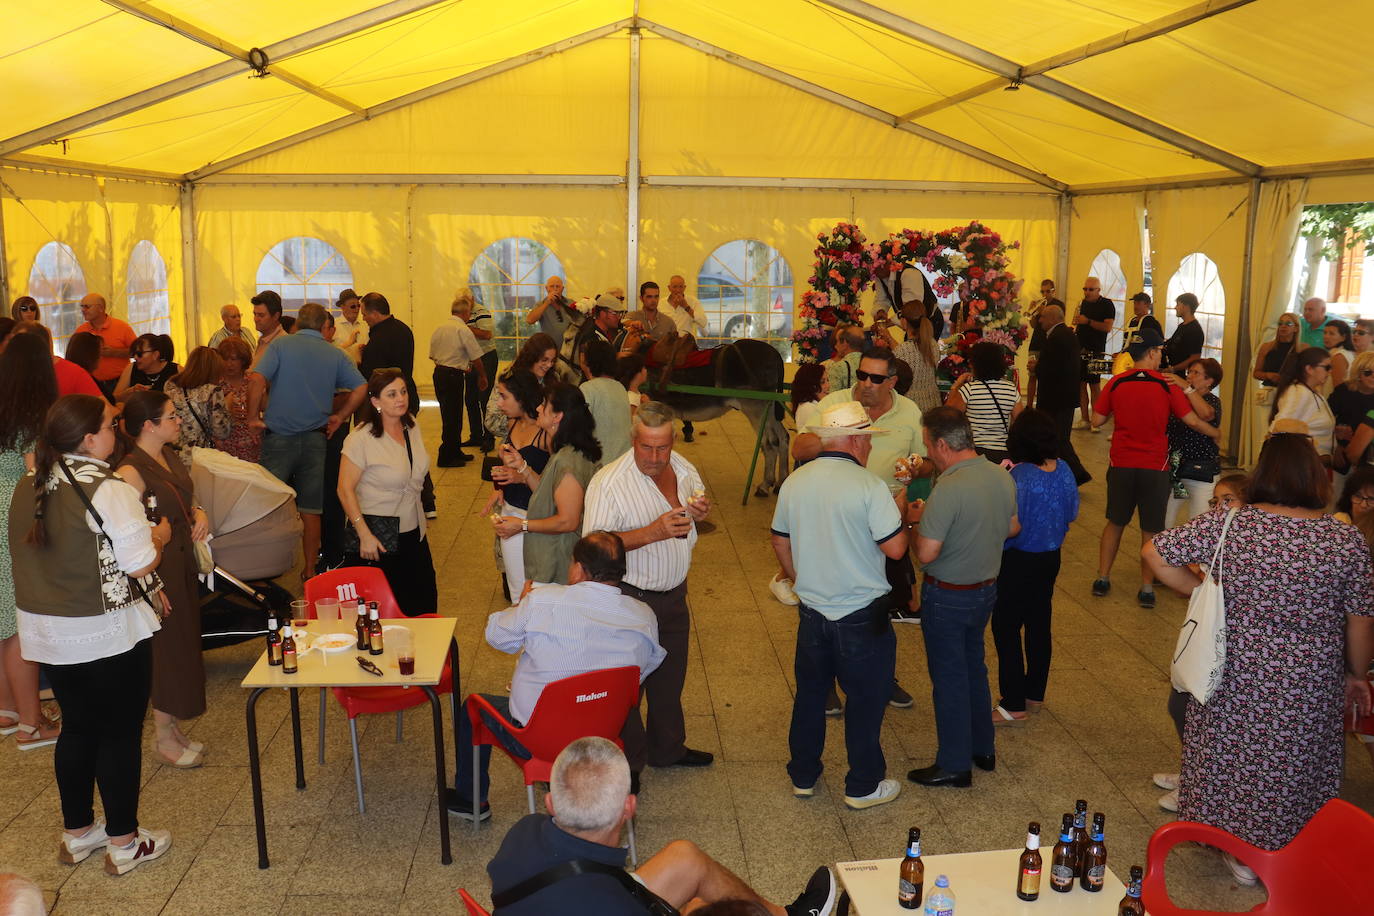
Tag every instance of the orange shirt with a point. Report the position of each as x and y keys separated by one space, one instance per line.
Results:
x=115 y=334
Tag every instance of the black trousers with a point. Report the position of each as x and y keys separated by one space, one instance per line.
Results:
x=332 y=515
x=1063 y=424
x=448 y=390
x=410 y=573
x=477 y=400
x=103 y=705
x=1025 y=602
x=661 y=739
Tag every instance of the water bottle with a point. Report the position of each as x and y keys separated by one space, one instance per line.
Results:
x=941 y=899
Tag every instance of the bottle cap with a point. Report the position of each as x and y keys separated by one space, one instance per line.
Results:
x=942 y=881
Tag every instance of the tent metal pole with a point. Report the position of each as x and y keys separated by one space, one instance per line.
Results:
x=632 y=174
x=4 y=258
x=190 y=310
x=1244 y=350
x=1061 y=261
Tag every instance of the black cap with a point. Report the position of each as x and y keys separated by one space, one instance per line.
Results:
x=1143 y=341
x=1141 y=296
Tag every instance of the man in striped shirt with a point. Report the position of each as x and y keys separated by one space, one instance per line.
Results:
x=654 y=497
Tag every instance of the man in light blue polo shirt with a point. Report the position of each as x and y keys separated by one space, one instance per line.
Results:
x=304 y=370
x=835 y=525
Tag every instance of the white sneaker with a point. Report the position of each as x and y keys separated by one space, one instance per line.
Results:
x=1240 y=872
x=782 y=590
x=887 y=791
x=74 y=849
x=1169 y=801
x=147 y=845
x=1166 y=780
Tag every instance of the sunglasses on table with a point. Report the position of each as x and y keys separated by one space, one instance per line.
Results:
x=874 y=377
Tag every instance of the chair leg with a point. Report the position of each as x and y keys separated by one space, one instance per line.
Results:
x=476 y=786
x=529 y=793
x=357 y=764
x=634 y=856
x=399 y=720
x=323 y=702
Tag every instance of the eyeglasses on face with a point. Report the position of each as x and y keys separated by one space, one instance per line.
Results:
x=1226 y=500
x=1090 y=289
x=170 y=416
x=1326 y=366
x=1363 y=499
x=874 y=377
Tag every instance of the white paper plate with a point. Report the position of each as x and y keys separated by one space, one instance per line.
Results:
x=334 y=642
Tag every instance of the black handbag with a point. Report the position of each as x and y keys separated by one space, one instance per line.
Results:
x=489 y=462
x=385 y=528
x=1193 y=469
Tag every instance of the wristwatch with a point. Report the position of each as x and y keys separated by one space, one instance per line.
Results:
x=524 y=524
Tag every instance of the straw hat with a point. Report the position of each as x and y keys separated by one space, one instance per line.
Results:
x=846 y=419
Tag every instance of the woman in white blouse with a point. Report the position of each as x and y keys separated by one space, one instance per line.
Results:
x=1300 y=382
x=84 y=613
x=381 y=474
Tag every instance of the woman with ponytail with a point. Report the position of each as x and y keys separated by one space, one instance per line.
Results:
x=84 y=555
x=553 y=523
x=152 y=467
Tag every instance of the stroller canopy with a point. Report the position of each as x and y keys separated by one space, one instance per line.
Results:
x=235 y=493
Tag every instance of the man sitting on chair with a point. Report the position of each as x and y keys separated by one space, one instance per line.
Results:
x=589 y=802
x=564 y=630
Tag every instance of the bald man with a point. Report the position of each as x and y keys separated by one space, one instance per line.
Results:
x=1313 y=322
x=555 y=313
x=116 y=337
x=1094 y=321
x=233 y=327
x=685 y=311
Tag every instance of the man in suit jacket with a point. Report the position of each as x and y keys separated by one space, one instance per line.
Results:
x=1058 y=372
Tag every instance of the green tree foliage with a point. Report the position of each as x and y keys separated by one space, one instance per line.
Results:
x=1331 y=230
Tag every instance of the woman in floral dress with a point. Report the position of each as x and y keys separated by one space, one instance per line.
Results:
x=1266 y=751
x=243 y=440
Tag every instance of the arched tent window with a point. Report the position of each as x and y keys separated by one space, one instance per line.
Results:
x=508 y=279
x=58 y=283
x=1106 y=267
x=745 y=288
x=304 y=269
x=150 y=310
x=1197 y=274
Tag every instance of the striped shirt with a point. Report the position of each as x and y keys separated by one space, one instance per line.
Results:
x=567 y=630
x=988 y=406
x=622 y=498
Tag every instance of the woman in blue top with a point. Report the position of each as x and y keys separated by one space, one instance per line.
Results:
x=1046 y=502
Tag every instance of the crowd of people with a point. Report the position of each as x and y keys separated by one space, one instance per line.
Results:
x=908 y=506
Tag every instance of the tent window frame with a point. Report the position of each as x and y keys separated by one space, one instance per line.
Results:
x=147 y=290
x=1106 y=266
x=1211 y=311
x=310 y=274
x=777 y=294
x=59 y=285
x=507 y=278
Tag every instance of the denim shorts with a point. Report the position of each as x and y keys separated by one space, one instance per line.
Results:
x=298 y=461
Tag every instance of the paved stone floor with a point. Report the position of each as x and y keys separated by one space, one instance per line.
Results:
x=1103 y=732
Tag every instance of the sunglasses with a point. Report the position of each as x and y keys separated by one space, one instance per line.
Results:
x=1090 y=289
x=28 y=308
x=1366 y=373
x=874 y=377
x=1326 y=366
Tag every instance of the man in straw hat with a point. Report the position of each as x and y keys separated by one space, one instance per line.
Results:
x=835 y=526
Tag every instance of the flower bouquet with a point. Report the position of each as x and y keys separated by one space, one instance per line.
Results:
x=842 y=269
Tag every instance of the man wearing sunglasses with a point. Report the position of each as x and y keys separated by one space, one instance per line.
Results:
x=1094 y=321
x=1362 y=334
x=116 y=337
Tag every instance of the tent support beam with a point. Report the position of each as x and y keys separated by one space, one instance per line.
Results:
x=409 y=98
x=1010 y=71
x=363 y=178
x=4 y=260
x=201 y=37
x=1143 y=32
x=844 y=184
x=190 y=305
x=277 y=51
x=88 y=170
x=1061 y=254
x=632 y=171
x=1244 y=354
x=1306 y=170
x=853 y=105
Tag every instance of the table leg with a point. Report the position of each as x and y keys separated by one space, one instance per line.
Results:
x=296 y=737
x=454 y=694
x=441 y=777
x=255 y=771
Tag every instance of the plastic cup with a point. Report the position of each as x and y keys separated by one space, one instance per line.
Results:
x=300 y=612
x=327 y=609
x=402 y=642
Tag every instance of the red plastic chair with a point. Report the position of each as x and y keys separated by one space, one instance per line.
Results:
x=474 y=908
x=594 y=704
x=347 y=583
x=1324 y=871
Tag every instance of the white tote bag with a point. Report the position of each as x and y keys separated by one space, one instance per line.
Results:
x=1200 y=654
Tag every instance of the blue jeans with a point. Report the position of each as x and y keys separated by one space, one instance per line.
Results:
x=463 y=781
x=863 y=658
x=952 y=625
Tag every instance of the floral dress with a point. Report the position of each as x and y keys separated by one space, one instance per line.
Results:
x=1267 y=750
x=243 y=441
x=11 y=470
x=924 y=390
x=204 y=419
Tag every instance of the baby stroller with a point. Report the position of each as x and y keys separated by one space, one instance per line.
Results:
x=256 y=532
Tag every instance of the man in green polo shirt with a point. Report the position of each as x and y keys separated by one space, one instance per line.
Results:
x=834 y=525
x=959 y=536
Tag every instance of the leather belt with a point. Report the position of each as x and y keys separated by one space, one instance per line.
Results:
x=931 y=580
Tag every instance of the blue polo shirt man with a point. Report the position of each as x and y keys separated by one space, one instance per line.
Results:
x=835 y=526
x=304 y=370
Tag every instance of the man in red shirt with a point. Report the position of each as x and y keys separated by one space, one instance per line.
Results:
x=1138 y=466
x=116 y=339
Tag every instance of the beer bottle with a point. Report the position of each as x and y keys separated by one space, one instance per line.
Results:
x=273 y=641
x=374 y=630
x=1131 y=904
x=150 y=508
x=288 y=650
x=912 y=875
x=1028 y=873
x=1094 y=857
x=1062 y=861
x=363 y=641
x=1080 y=835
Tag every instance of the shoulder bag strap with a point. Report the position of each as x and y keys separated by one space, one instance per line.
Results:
x=199 y=422
x=100 y=523
x=564 y=870
x=1006 y=427
x=1214 y=570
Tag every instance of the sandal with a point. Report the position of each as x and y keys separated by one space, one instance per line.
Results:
x=188 y=760
x=1002 y=716
x=1034 y=706
x=13 y=717
x=34 y=736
